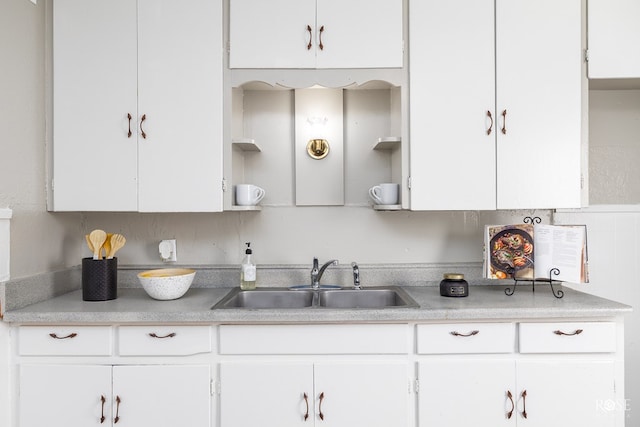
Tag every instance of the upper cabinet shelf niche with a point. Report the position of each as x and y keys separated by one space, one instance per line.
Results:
x=262 y=147
x=316 y=34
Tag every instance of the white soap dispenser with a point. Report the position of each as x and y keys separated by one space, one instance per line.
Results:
x=247 y=271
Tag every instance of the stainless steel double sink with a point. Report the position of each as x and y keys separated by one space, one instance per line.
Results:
x=340 y=298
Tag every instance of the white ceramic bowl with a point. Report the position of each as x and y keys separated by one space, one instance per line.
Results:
x=166 y=283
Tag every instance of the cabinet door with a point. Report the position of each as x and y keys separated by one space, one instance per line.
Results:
x=452 y=87
x=614 y=39
x=567 y=392
x=464 y=153
x=353 y=35
x=451 y=391
x=94 y=89
x=266 y=394
x=162 y=396
x=180 y=57
x=310 y=34
x=372 y=394
x=64 y=395
x=272 y=34
x=538 y=74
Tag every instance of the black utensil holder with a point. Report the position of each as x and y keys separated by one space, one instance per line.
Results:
x=99 y=279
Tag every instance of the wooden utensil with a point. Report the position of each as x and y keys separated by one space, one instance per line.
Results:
x=117 y=242
x=107 y=245
x=86 y=237
x=97 y=239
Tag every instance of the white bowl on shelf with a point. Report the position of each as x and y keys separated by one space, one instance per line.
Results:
x=166 y=283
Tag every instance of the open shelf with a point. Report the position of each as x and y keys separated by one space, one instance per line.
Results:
x=388 y=143
x=246 y=208
x=246 y=144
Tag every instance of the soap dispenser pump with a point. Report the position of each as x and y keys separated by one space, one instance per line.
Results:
x=248 y=271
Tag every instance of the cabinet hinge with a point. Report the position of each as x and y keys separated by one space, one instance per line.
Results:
x=416 y=386
x=214 y=387
x=224 y=184
x=409 y=182
x=582 y=181
x=586 y=55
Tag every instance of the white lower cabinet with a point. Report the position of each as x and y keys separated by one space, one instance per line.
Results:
x=338 y=375
x=79 y=376
x=332 y=393
x=509 y=373
x=85 y=395
x=549 y=374
x=551 y=393
x=562 y=391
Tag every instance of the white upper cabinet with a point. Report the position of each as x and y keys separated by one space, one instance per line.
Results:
x=94 y=90
x=539 y=67
x=452 y=89
x=316 y=34
x=137 y=105
x=614 y=39
x=495 y=104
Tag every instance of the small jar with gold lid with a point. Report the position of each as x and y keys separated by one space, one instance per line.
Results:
x=454 y=285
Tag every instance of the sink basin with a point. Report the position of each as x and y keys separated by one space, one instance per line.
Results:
x=266 y=298
x=282 y=298
x=366 y=298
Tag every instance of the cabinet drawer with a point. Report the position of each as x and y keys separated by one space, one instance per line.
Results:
x=164 y=340
x=466 y=338
x=565 y=337
x=314 y=339
x=64 y=341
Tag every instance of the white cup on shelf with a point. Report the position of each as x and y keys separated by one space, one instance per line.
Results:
x=384 y=194
x=248 y=194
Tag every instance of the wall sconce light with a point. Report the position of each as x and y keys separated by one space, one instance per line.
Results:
x=318 y=148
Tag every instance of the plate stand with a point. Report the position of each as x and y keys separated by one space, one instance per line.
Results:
x=553 y=272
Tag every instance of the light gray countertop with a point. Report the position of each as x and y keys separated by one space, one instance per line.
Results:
x=485 y=302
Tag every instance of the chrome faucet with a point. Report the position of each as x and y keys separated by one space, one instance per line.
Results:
x=316 y=274
x=356 y=276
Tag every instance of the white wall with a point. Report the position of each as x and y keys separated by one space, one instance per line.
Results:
x=289 y=235
x=614 y=146
x=38 y=238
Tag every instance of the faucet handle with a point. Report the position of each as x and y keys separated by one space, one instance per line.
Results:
x=356 y=276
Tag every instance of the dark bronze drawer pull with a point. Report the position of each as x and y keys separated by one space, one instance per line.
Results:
x=142 y=132
x=504 y=122
x=513 y=405
x=153 y=335
x=55 y=336
x=470 y=334
x=491 y=122
x=524 y=403
x=306 y=402
x=310 y=37
x=102 y=418
x=129 y=133
x=117 y=418
x=320 y=406
x=321 y=45
x=576 y=332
